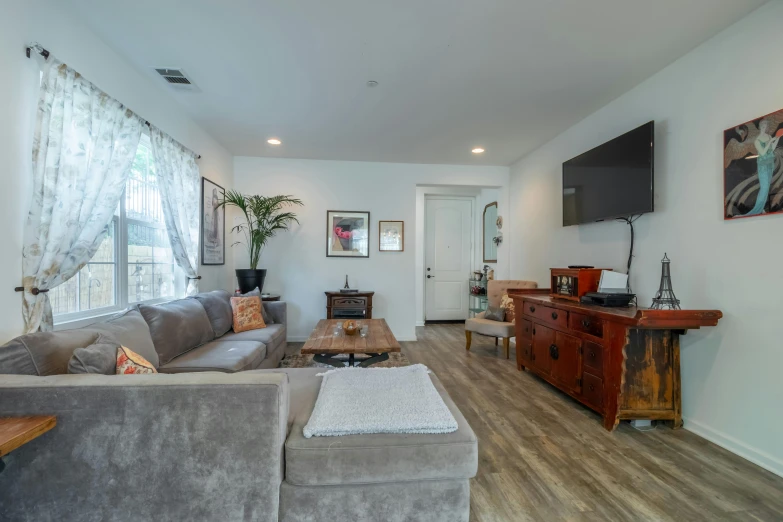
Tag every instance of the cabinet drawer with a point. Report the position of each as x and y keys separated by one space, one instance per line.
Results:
x=593 y=357
x=349 y=302
x=586 y=324
x=525 y=328
x=593 y=389
x=546 y=314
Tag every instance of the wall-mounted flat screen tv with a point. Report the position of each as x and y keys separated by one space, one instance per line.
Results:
x=612 y=180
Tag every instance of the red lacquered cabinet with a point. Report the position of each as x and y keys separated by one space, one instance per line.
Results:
x=623 y=363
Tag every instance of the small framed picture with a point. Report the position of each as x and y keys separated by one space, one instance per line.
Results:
x=347 y=233
x=391 y=236
x=213 y=224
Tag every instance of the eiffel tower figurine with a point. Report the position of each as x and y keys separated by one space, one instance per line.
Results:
x=665 y=298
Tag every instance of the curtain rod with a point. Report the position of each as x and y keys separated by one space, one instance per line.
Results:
x=198 y=156
x=43 y=52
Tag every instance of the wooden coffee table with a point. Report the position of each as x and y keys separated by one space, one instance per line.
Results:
x=377 y=345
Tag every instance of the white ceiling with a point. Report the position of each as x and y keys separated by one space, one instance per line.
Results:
x=507 y=75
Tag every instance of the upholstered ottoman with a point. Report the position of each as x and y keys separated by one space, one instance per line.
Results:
x=382 y=477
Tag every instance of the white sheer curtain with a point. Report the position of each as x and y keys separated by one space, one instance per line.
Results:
x=178 y=179
x=83 y=147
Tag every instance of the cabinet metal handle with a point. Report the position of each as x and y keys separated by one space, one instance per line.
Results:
x=554 y=315
x=592 y=354
x=532 y=309
x=585 y=323
x=534 y=357
x=534 y=331
x=592 y=388
x=554 y=353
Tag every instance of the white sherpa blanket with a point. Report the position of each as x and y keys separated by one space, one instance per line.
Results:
x=379 y=400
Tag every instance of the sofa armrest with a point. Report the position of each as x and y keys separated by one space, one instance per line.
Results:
x=199 y=446
x=277 y=309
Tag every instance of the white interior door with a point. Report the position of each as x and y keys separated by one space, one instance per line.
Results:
x=448 y=249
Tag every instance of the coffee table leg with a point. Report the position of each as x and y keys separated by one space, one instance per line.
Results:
x=375 y=359
x=331 y=361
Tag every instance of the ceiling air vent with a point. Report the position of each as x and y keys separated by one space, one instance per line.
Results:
x=176 y=78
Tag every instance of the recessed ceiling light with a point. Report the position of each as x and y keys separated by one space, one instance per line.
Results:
x=274 y=141
x=477 y=150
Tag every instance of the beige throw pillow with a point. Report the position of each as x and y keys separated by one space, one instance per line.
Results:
x=507 y=303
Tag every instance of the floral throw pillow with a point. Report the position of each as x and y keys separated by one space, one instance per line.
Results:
x=129 y=362
x=247 y=313
x=507 y=303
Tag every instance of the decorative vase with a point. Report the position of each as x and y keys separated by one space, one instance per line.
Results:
x=249 y=279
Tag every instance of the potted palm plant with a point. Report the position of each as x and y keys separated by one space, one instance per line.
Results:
x=264 y=218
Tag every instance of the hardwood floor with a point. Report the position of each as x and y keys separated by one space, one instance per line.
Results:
x=543 y=456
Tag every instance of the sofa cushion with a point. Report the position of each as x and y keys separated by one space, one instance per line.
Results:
x=378 y=458
x=271 y=335
x=43 y=353
x=177 y=327
x=100 y=358
x=129 y=329
x=491 y=328
x=217 y=304
x=218 y=356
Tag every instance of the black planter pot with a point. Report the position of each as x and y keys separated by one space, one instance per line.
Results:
x=248 y=279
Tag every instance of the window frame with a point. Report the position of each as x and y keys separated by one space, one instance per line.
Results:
x=121 y=273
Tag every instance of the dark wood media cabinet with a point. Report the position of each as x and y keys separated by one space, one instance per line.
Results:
x=623 y=363
x=349 y=305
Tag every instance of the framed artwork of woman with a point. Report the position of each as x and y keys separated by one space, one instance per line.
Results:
x=753 y=167
x=213 y=224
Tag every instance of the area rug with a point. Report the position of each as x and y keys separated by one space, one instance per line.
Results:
x=378 y=400
x=306 y=361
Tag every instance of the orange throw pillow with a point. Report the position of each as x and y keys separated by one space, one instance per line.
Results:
x=129 y=362
x=247 y=313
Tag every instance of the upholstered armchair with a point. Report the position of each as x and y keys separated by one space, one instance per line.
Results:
x=497 y=329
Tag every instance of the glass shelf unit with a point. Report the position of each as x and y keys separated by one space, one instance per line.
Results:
x=477 y=297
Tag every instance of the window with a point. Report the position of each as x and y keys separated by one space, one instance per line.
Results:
x=134 y=263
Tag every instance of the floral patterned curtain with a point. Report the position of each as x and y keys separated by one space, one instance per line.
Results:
x=83 y=148
x=178 y=179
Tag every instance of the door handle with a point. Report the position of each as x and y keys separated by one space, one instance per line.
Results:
x=429 y=276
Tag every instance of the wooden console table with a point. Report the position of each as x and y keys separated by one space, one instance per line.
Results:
x=18 y=431
x=623 y=363
x=353 y=305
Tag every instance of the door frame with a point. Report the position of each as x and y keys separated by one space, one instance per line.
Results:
x=428 y=197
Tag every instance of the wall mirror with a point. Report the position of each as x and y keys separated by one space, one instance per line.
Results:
x=490 y=231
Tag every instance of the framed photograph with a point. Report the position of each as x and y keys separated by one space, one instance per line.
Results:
x=213 y=224
x=752 y=168
x=347 y=233
x=391 y=236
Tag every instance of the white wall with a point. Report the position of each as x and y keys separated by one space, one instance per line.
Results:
x=49 y=23
x=732 y=391
x=297 y=262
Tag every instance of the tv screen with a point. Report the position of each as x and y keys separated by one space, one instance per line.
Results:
x=612 y=180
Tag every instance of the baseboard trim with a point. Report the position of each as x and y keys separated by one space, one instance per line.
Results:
x=447 y=321
x=419 y=323
x=725 y=441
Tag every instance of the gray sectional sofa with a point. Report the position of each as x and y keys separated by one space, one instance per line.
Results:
x=182 y=336
x=208 y=438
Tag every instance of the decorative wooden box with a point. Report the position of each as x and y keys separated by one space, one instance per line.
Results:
x=573 y=283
